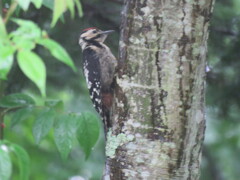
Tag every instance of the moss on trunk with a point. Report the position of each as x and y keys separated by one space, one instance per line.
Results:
x=160 y=94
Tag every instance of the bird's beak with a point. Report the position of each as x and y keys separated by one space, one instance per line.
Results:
x=107 y=32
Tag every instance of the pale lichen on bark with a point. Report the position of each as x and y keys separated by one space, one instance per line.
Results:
x=160 y=94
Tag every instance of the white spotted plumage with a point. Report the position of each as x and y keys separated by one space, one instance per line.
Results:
x=99 y=67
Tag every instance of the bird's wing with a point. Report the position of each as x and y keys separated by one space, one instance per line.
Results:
x=92 y=71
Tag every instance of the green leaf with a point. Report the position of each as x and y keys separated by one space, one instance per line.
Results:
x=79 y=7
x=65 y=133
x=88 y=132
x=24 y=43
x=27 y=24
x=48 y=3
x=33 y=67
x=23 y=161
x=57 y=51
x=57 y=105
x=27 y=29
x=3 y=31
x=16 y=100
x=6 y=50
x=21 y=115
x=5 y=66
x=26 y=34
x=43 y=124
x=6 y=58
x=24 y=4
x=70 y=4
x=5 y=163
x=37 y=3
x=59 y=9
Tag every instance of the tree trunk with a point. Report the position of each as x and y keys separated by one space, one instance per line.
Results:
x=159 y=103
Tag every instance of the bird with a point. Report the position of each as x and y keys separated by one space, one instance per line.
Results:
x=99 y=67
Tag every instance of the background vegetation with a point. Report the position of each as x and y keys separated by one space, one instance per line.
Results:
x=221 y=160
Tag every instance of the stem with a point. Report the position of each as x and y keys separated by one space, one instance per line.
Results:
x=1 y=7
x=10 y=12
x=1 y=87
x=2 y=84
x=1 y=126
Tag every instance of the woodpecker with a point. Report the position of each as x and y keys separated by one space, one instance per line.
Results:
x=99 y=65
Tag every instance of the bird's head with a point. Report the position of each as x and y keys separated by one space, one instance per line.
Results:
x=93 y=35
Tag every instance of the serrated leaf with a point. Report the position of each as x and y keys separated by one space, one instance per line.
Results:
x=57 y=105
x=16 y=100
x=24 y=4
x=59 y=9
x=33 y=67
x=5 y=163
x=79 y=7
x=57 y=51
x=21 y=115
x=88 y=132
x=43 y=124
x=65 y=133
x=37 y=3
x=23 y=161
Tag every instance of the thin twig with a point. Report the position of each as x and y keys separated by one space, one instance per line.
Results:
x=1 y=110
x=10 y=12
x=1 y=7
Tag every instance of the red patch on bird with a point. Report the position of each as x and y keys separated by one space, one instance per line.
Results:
x=88 y=29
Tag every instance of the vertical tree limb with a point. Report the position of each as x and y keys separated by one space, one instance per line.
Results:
x=160 y=98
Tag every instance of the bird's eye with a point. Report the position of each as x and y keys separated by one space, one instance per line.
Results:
x=94 y=31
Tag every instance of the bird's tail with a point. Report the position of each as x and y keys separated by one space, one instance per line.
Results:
x=107 y=101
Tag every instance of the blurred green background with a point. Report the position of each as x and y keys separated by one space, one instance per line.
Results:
x=221 y=152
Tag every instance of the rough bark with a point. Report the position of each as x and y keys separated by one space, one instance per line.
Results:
x=159 y=103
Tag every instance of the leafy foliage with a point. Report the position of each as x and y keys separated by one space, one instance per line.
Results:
x=24 y=4
x=24 y=40
x=21 y=115
x=60 y=7
x=16 y=100
x=65 y=132
x=66 y=125
x=88 y=133
x=5 y=65
x=33 y=67
x=5 y=162
x=46 y=116
x=6 y=148
x=23 y=161
x=66 y=128
x=43 y=124
x=57 y=51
